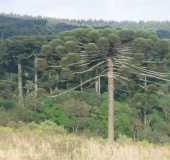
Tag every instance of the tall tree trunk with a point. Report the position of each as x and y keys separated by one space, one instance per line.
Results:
x=97 y=84
x=20 y=89
x=99 y=87
x=51 y=91
x=36 y=76
x=110 y=101
x=145 y=85
x=145 y=118
x=144 y=112
x=57 y=79
x=81 y=82
x=50 y=88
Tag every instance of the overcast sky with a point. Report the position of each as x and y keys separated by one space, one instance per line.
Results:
x=91 y=9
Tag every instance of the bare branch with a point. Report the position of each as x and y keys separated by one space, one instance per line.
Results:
x=92 y=68
x=85 y=82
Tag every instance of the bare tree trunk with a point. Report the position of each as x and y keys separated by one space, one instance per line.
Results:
x=145 y=119
x=145 y=85
x=96 y=86
x=50 y=88
x=57 y=79
x=36 y=76
x=81 y=86
x=20 y=89
x=144 y=112
x=110 y=101
x=51 y=91
x=99 y=88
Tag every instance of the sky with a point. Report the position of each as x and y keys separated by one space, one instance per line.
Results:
x=118 y=10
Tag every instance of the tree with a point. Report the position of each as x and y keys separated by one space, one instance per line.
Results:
x=103 y=47
x=20 y=86
x=36 y=76
x=110 y=101
x=19 y=50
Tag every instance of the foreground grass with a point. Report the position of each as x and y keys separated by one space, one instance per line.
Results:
x=44 y=144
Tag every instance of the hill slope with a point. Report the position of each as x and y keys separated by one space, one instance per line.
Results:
x=12 y=25
x=21 y=25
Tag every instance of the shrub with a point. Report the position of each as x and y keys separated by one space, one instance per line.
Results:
x=45 y=127
x=123 y=139
x=50 y=110
x=7 y=104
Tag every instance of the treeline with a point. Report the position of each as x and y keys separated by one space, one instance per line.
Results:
x=12 y=24
x=63 y=78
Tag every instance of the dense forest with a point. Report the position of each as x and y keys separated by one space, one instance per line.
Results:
x=57 y=70
x=12 y=24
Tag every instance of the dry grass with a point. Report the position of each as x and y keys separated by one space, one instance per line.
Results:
x=31 y=145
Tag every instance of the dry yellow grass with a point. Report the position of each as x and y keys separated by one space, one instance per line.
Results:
x=31 y=145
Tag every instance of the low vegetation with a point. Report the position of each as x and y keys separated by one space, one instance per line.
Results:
x=47 y=141
x=86 y=113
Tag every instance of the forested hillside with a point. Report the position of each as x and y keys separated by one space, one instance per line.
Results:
x=11 y=24
x=50 y=71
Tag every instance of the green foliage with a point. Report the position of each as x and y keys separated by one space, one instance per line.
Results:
x=7 y=104
x=123 y=139
x=123 y=118
x=49 y=110
x=139 y=113
x=46 y=127
x=16 y=114
x=99 y=118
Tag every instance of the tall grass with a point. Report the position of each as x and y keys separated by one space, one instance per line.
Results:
x=40 y=144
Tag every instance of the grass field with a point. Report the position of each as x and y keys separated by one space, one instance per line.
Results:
x=31 y=144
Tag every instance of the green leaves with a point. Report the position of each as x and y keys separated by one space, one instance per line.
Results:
x=49 y=110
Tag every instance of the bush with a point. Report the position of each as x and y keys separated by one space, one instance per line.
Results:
x=16 y=114
x=7 y=104
x=50 y=110
x=123 y=139
x=45 y=127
